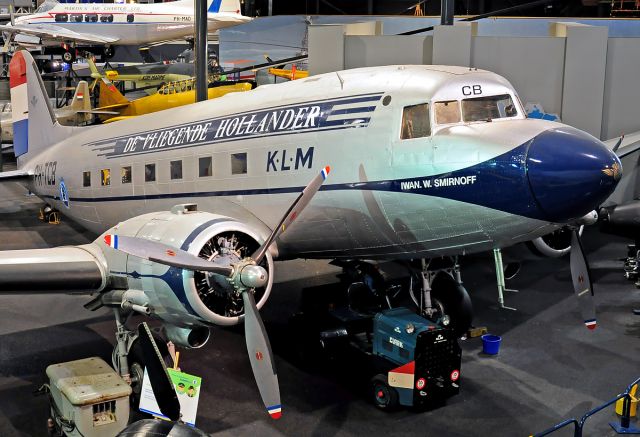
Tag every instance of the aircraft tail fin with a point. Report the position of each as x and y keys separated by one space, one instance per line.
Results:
x=82 y=98
x=95 y=74
x=215 y=6
x=34 y=124
x=109 y=95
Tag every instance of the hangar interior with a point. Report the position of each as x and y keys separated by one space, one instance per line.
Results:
x=527 y=212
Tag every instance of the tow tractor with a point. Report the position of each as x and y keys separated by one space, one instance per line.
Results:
x=410 y=360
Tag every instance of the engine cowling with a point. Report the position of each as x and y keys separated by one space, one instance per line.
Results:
x=554 y=245
x=181 y=297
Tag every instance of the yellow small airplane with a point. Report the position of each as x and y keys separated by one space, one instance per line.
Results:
x=145 y=75
x=168 y=96
x=291 y=74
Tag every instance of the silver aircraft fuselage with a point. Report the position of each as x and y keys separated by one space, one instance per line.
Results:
x=466 y=186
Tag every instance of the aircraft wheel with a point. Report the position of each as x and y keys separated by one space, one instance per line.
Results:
x=448 y=298
x=136 y=362
x=384 y=396
x=69 y=56
x=108 y=52
x=454 y=301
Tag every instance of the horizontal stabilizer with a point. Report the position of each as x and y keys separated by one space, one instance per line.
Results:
x=14 y=175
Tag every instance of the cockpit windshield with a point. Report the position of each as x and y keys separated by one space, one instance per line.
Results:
x=47 y=5
x=488 y=108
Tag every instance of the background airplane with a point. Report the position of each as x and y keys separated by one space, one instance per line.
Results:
x=170 y=95
x=78 y=112
x=82 y=24
x=145 y=75
x=427 y=162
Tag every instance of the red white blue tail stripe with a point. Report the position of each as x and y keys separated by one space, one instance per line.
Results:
x=111 y=240
x=19 y=103
x=275 y=411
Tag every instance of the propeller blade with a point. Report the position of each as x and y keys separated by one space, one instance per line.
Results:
x=617 y=146
x=261 y=357
x=163 y=254
x=293 y=212
x=582 y=285
x=163 y=389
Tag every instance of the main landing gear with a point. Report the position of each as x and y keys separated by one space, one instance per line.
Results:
x=127 y=357
x=434 y=286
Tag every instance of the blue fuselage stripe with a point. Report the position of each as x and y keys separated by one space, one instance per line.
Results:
x=499 y=183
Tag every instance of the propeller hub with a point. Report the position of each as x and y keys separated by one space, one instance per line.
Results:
x=253 y=276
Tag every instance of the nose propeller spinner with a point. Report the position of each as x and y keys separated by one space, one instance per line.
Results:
x=245 y=276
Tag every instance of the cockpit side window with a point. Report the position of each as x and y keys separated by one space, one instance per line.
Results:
x=447 y=112
x=415 y=121
x=488 y=108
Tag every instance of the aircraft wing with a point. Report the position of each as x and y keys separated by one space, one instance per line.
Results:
x=48 y=31
x=14 y=175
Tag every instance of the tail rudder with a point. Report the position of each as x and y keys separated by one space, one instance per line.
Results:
x=109 y=94
x=95 y=74
x=34 y=123
x=229 y=6
x=82 y=98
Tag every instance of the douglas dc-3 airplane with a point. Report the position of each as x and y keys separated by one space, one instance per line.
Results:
x=425 y=162
x=83 y=24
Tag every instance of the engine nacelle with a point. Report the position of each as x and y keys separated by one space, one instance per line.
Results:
x=181 y=297
x=554 y=245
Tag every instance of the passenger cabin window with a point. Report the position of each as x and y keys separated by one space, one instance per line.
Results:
x=415 y=121
x=91 y=18
x=86 y=178
x=125 y=175
x=239 y=163
x=62 y=18
x=149 y=172
x=106 y=18
x=447 y=112
x=488 y=108
x=205 y=167
x=105 y=177
x=76 y=18
x=130 y=18
x=176 y=170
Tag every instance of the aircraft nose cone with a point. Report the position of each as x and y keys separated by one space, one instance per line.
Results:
x=570 y=173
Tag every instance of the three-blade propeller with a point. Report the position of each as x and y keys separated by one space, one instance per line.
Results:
x=581 y=277
x=245 y=276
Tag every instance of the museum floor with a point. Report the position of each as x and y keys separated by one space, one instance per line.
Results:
x=549 y=368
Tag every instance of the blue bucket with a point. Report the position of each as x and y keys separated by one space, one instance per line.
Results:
x=491 y=344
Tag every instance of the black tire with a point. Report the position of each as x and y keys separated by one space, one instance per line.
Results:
x=108 y=52
x=452 y=297
x=136 y=368
x=384 y=396
x=69 y=56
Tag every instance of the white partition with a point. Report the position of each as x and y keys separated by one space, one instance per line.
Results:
x=534 y=66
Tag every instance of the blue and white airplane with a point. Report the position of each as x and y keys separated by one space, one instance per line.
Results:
x=195 y=203
x=108 y=24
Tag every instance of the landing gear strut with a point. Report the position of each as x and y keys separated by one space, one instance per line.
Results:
x=440 y=297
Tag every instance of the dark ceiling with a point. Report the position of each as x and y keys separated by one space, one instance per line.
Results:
x=557 y=8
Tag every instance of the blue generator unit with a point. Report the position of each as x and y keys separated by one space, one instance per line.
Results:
x=425 y=360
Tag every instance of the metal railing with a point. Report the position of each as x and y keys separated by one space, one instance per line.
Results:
x=625 y=420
